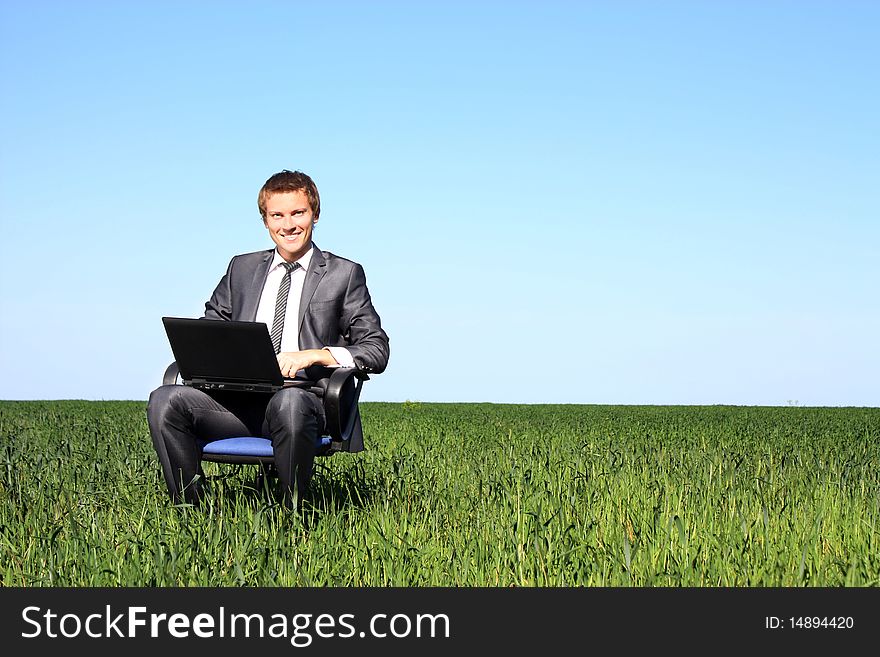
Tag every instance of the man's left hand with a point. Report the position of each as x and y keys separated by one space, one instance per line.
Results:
x=292 y=361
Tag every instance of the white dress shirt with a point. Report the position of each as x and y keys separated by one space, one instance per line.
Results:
x=266 y=307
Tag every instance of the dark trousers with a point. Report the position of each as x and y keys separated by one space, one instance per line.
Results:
x=182 y=418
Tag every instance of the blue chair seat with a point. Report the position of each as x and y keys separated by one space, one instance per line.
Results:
x=242 y=446
x=246 y=447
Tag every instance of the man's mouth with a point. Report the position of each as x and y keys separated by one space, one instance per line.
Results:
x=291 y=237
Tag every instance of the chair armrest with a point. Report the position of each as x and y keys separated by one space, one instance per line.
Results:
x=170 y=376
x=340 y=402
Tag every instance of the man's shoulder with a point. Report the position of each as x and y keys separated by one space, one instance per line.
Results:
x=337 y=262
x=255 y=256
x=244 y=262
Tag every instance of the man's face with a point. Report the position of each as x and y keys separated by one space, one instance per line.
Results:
x=289 y=221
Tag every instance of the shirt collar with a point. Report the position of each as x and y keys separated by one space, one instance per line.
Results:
x=303 y=261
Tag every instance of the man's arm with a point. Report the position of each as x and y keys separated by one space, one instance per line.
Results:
x=365 y=340
x=219 y=306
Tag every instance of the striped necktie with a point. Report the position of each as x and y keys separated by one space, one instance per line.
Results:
x=281 y=305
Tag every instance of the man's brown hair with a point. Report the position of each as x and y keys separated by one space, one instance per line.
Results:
x=290 y=181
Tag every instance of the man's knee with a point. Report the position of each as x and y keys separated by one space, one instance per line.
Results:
x=293 y=411
x=292 y=400
x=160 y=400
x=168 y=398
x=163 y=395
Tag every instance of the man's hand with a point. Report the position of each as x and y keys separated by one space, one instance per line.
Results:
x=291 y=361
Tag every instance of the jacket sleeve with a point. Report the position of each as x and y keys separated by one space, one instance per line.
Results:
x=219 y=306
x=366 y=341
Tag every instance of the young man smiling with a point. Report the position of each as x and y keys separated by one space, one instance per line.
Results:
x=328 y=320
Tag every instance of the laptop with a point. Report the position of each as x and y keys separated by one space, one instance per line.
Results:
x=225 y=355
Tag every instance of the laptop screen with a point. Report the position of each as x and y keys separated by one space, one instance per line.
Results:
x=223 y=351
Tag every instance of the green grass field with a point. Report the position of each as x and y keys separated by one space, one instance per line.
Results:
x=459 y=495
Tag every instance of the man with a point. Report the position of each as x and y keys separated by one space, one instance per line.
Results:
x=320 y=316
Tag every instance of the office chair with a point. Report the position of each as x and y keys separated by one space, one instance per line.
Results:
x=340 y=399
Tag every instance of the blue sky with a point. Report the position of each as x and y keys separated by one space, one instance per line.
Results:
x=584 y=202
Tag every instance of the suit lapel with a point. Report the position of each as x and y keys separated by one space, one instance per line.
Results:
x=251 y=298
x=317 y=269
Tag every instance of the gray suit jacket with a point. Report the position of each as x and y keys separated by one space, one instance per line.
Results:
x=335 y=310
